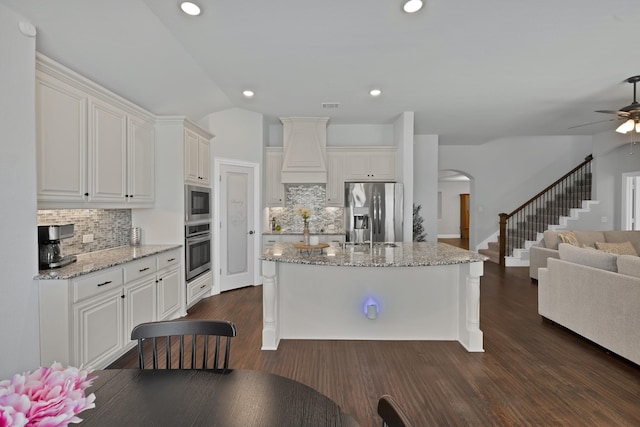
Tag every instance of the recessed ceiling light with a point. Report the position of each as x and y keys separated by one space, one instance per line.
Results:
x=412 y=6
x=190 y=8
x=248 y=93
x=375 y=92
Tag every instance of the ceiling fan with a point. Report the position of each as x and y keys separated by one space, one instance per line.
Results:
x=631 y=113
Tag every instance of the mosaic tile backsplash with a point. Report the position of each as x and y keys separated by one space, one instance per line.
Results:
x=110 y=227
x=312 y=196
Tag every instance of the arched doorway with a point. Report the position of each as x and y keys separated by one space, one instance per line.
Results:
x=454 y=208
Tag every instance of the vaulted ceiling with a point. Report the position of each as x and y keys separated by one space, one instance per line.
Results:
x=471 y=71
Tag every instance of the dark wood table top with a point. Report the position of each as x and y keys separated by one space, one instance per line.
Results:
x=133 y=397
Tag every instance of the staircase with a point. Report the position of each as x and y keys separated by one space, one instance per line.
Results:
x=552 y=208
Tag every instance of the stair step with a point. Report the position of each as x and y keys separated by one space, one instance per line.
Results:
x=494 y=256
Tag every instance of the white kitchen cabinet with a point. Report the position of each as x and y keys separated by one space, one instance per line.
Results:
x=197 y=162
x=98 y=332
x=140 y=302
x=268 y=240
x=61 y=135
x=274 y=196
x=94 y=148
x=88 y=320
x=370 y=164
x=140 y=161
x=107 y=152
x=199 y=287
x=335 y=179
x=168 y=289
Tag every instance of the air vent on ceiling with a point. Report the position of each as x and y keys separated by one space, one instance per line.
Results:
x=330 y=104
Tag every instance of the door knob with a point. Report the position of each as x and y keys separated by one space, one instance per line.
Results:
x=251 y=231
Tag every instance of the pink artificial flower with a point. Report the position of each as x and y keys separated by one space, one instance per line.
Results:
x=47 y=397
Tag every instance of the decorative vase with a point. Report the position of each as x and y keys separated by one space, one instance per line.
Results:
x=305 y=233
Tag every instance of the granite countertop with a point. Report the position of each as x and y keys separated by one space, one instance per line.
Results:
x=299 y=233
x=98 y=260
x=410 y=254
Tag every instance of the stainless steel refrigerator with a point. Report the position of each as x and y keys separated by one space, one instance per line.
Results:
x=373 y=210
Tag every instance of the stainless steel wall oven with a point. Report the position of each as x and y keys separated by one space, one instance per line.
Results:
x=197 y=249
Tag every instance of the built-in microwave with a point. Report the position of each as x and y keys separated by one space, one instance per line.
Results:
x=197 y=205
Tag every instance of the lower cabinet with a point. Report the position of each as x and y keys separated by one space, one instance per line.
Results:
x=87 y=321
x=199 y=287
x=98 y=329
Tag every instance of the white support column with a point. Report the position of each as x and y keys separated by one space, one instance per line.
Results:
x=470 y=335
x=270 y=329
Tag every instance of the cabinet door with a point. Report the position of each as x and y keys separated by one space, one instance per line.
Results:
x=140 y=162
x=274 y=187
x=98 y=330
x=61 y=135
x=169 y=292
x=382 y=166
x=139 y=305
x=107 y=152
x=204 y=163
x=335 y=179
x=356 y=166
x=191 y=156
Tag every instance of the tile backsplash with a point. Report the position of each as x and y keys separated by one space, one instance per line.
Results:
x=312 y=196
x=110 y=227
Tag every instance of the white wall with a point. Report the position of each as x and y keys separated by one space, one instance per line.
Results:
x=403 y=137
x=238 y=135
x=449 y=223
x=425 y=182
x=508 y=171
x=19 y=325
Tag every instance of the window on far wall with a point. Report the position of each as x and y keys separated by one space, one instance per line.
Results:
x=631 y=201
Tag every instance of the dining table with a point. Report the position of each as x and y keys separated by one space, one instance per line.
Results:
x=233 y=397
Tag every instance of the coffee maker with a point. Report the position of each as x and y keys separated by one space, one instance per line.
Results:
x=50 y=248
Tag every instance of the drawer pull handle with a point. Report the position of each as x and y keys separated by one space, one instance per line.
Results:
x=171 y=259
x=144 y=269
x=105 y=283
x=203 y=286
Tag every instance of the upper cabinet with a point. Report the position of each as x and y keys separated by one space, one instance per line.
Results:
x=370 y=164
x=335 y=178
x=197 y=152
x=274 y=189
x=94 y=149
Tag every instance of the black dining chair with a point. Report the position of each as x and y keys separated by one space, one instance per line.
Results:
x=392 y=413
x=185 y=331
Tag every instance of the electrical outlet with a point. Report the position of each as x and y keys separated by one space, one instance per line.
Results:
x=87 y=238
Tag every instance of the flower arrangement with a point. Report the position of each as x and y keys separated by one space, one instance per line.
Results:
x=305 y=213
x=47 y=397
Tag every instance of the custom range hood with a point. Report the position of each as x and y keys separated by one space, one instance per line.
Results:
x=304 y=159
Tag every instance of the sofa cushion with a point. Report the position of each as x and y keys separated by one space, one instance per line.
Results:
x=618 y=236
x=589 y=238
x=596 y=259
x=568 y=237
x=623 y=248
x=551 y=239
x=629 y=265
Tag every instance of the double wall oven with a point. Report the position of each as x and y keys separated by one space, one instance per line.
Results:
x=197 y=230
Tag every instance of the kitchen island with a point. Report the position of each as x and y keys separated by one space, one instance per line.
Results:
x=403 y=291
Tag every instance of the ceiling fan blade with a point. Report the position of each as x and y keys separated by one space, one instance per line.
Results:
x=619 y=113
x=592 y=123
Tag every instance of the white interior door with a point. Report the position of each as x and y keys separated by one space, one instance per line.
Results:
x=237 y=228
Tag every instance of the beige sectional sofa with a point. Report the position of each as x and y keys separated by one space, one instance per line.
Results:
x=596 y=295
x=548 y=246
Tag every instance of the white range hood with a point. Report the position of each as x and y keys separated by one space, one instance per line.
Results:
x=304 y=159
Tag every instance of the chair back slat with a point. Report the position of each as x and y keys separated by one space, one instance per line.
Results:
x=152 y=333
x=392 y=413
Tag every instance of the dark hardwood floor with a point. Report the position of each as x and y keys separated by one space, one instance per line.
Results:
x=460 y=243
x=532 y=372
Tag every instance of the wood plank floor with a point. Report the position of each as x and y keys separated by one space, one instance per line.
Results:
x=532 y=372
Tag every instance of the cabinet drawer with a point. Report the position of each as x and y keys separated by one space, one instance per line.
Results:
x=96 y=283
x=168 y=259
x=137 y=269
x=199 y=287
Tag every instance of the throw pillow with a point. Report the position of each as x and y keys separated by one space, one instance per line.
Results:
x=623 y=248
x=569 y=237
x=596 y=259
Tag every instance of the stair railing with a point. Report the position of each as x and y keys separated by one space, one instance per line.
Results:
x=534 y=215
